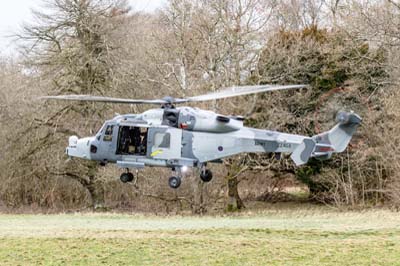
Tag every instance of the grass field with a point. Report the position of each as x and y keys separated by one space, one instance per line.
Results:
x=288 y=236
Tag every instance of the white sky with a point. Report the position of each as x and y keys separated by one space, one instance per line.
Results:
x=13 y=13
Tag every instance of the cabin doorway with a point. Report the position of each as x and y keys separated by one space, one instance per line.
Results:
x=132 y=140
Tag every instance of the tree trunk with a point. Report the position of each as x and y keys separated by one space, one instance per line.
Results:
x=96 y=192
x=95 y=188
x=198 y=199
x=235 y=203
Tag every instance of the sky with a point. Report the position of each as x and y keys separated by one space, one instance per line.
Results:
x=14 y=13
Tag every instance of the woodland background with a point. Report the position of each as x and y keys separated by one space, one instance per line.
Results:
x=347 y=50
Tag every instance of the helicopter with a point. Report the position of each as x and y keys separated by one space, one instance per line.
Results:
x=187 y=137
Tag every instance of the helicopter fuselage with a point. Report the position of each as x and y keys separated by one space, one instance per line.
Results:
x=191 y=137
x=183 y=136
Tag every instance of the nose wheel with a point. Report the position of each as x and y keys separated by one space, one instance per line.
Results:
x=174 y=182
x=126 y=177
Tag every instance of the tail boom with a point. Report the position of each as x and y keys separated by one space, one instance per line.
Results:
x=302 y=148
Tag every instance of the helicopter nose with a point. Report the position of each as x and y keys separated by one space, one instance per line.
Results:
x=79 y=147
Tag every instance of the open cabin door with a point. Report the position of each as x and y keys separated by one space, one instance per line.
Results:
x=164 y=143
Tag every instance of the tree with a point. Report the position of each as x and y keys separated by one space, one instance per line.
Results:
x=377 y=22
x=72 y=47
x=212 y=44
x=344 y=74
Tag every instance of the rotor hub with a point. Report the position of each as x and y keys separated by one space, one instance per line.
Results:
x=169 y=102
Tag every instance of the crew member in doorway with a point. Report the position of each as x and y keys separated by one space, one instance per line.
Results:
x=125 y=140
x=135 y=135
x=143 y=143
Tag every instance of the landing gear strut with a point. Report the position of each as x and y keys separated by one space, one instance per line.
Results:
x=205 y=174
x=126 y=177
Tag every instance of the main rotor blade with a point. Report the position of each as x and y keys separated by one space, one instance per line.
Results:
x=89 y=98
x=238 y=91
x=226 y=93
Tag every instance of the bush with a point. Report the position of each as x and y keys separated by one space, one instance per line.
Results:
x=342 y=73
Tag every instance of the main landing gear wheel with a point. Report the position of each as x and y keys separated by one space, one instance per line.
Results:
x=206 y=175
x=174 y=182
x=126 y=177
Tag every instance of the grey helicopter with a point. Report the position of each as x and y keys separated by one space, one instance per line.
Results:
x=186 y=137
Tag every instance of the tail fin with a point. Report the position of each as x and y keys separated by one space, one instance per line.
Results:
x=336 y=139
x=323 y=145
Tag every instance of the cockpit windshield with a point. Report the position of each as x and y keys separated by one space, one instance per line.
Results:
x=100 y=132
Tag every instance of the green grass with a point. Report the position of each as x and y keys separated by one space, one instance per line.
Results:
x=297 y=237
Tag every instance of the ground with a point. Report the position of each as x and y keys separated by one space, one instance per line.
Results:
x=295 y=235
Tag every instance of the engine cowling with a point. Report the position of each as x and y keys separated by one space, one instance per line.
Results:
x=207 y=121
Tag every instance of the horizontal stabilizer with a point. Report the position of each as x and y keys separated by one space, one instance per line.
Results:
x=303 y=152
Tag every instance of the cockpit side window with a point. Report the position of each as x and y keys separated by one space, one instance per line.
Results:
x=108 y=134
x=162 y=140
